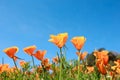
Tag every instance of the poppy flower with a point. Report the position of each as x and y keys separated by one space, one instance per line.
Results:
x=78 y=42
x=48 y=67
x=59 y=40
x=90 y=69
x=116 y=67
x=101 y=67
x=82 y=55
x=11 y=51
x=29 y=50
x=40 y=54
x=55 y=59
x=102 y=55
x=22 y=63
x=4 y=67
x=45 y=62
x=39 y=69
x=14 y=70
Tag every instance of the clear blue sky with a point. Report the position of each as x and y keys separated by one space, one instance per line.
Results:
x=30 y=22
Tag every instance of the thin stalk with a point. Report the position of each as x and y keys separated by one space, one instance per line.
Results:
x=15 y=64
x=78 y=65
x=60 y=75
x=33 y=61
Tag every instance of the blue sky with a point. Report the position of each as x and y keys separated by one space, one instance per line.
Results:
x=30 y=22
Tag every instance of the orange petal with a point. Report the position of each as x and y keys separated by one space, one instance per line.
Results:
x=55 y=59
x=45 y=61
x=78 y=42
x=11 y=51
x=78 y=53
x=40 y=54
x=59 y=40
x=29 y=50
x=83 y=55
x=101 y=67
x=22 y=63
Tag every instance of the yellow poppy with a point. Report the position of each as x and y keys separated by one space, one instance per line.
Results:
x=78 y=42
x=59 y=40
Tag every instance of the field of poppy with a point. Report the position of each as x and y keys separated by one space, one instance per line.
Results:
x=60 y=68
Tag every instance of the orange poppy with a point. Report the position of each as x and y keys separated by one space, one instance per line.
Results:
x=55 y=59
x=78 y=42
x=102 y=55
x=45 y=62
x=29 y=50
x=59 y=40
x=101 y=67
x=39 y=69
x=116 y=67
x=118 y=60
x=82 y=55
x=40 y=54
x=11 y=51
x=4 y=67
x=48 y=67
x=22 y=63
x=111 y=73
x=90 y=69
x=14 y=70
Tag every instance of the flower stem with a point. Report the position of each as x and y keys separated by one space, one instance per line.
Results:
x=33 y=61
x=60 y=75
x=15 y=64
x=78 y=65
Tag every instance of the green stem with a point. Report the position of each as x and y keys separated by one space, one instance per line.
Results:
x=15 y=64
x=33 y=61
x=60 y=76
x=78 y=65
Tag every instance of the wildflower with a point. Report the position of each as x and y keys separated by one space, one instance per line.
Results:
x=29 y=50
x=14 y=69
x=90 y=69
x=48 y=67
x=45 y=61
x=116 y=67
x=40 y=54
x=59 y=40
x=22 y=63
x=102 y=55
x=82 y=55
x=45 y=64
x=11 y=51
x=78 y=42
x=39 y=69
x=4 y=67
x=101 y=67
x=55 y=59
